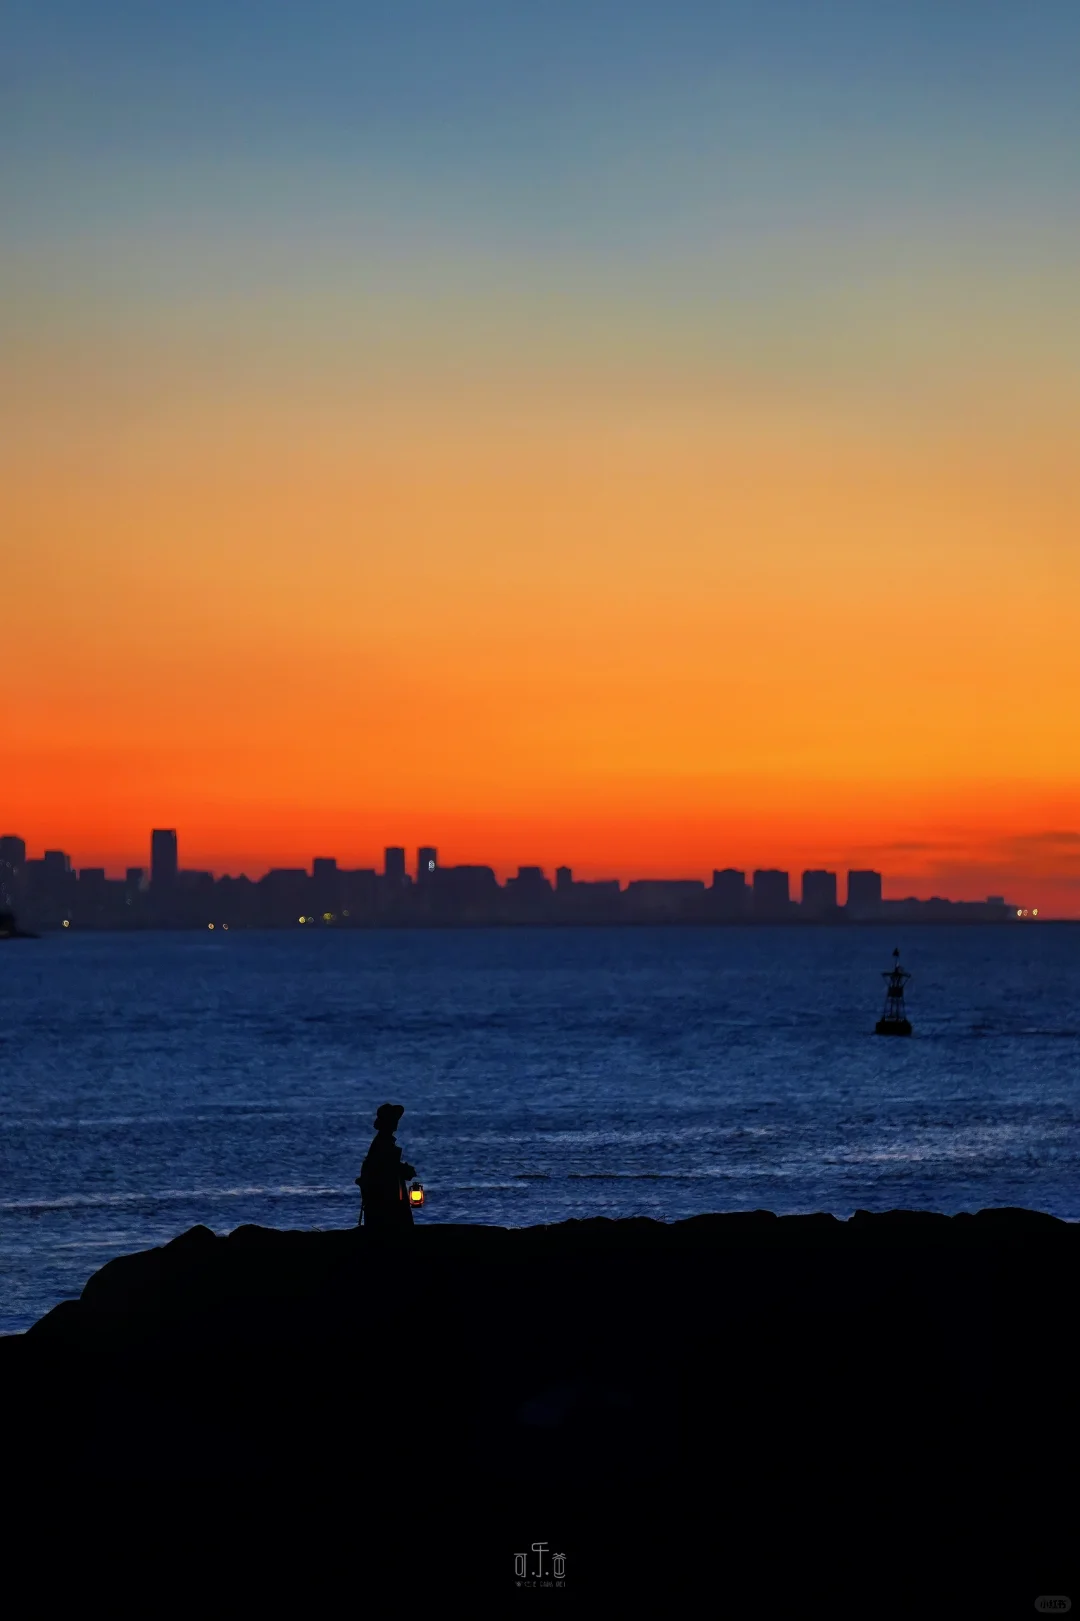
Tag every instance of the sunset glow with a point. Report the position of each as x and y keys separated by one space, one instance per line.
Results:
x=337 y=518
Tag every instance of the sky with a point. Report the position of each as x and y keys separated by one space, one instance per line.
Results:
x=639 y=436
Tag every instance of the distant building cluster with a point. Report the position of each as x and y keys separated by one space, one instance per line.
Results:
x=50 y=894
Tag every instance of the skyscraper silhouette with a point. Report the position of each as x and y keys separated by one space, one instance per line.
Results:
x=325 y=888
x=163 y=858
x=864 y=894
x=818 y=893
x=771 y=897
x=12 y=863
x=728 y=896
x=50 y=887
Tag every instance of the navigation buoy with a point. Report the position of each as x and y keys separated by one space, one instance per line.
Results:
x=894 y=1021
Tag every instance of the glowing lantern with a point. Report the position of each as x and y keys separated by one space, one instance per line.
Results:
x=416 y=1195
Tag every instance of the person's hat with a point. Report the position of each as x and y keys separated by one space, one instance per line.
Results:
x=388 y=1115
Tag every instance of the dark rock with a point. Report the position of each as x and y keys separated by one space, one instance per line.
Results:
x=899 y=1369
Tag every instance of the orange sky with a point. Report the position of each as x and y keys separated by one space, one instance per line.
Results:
x=639 y=437
x=640 y=632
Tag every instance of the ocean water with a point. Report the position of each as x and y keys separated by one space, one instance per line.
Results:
x=149 y=1082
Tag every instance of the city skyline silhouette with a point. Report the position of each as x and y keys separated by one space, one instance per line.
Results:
x=50 y=891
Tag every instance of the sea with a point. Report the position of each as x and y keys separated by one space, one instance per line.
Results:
x=149 y=1082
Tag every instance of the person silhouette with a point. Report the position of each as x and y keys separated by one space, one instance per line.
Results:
x=384 y=1197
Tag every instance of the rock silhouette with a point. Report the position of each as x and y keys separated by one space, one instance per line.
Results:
x=893 y=1369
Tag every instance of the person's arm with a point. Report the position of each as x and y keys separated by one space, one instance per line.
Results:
x=405 y=1170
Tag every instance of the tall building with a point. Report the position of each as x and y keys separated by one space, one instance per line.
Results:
x=771 y=896
x=564 y=878
x=12 y=850
x=325 y=887
x=90 y=897
x=818 y=893
x=467 y=893
x=427 y=863
x=863 y=894
x=50 y=885
x=728 y=894
x=12 y=863
x=163 y=858
x=394 y=864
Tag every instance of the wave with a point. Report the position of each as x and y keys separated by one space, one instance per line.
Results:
x=105 y=1201
x=637 y=1176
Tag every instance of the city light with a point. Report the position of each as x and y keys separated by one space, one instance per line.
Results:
x=209 y=925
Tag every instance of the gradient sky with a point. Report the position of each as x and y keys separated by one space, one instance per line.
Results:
x=642 y=436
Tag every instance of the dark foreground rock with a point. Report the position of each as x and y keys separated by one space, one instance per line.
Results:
x=904 y=1376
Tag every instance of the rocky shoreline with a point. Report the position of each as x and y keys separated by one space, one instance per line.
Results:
x=840 y=1361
